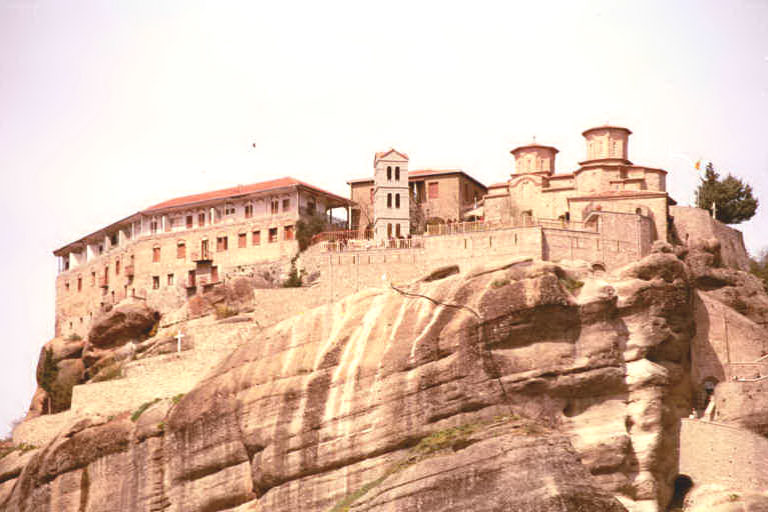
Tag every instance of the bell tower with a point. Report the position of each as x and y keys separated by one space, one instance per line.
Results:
x=391 y=201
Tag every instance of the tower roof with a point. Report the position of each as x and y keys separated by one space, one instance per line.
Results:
x=533 y=146
x=381 y=154
x=606 y=127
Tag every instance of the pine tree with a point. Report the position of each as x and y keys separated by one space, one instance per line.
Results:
x=732 y=197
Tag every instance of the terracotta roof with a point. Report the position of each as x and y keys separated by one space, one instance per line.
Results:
x=534 y=146
x=382 y=154
x=606 y=127
x=498 y=185
x=239 y=191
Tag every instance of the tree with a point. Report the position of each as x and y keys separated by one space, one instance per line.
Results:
x=759 y=267
x=732 y=197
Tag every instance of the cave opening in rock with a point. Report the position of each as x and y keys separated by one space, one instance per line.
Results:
x=682 y=485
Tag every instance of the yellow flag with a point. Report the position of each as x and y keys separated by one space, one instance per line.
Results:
x=698 y=165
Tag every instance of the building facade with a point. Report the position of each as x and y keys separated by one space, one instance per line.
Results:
x=605 y=181
x=182 y=246
x=439 y=196
x=391 y=217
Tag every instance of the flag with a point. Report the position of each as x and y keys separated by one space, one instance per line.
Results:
x=698 y=165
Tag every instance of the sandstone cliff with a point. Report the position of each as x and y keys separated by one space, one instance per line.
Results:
x=524 y=386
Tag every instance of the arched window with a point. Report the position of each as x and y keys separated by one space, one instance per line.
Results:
x=389 y=173
x=389 y=230
x=389 y=200
x=397 y=173
x=397 y=202
x=397 y=230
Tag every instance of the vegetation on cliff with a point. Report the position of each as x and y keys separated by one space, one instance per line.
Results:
x=731 y=197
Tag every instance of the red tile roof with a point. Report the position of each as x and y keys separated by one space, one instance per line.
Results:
x=382 y=154
x=239 y=191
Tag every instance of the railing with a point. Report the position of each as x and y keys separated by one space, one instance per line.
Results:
x=344 y=235
x=199 y=256
x=371 y=245
x=521 y=222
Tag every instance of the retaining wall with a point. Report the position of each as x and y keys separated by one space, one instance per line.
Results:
x=715 y=453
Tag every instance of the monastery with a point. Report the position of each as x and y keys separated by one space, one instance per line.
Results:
x=607 y=212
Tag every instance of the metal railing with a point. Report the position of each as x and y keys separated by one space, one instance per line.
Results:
x=371 y=245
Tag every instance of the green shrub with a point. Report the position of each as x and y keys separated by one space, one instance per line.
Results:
x=572 y=284
x=294 y=279
x=74 y=337
x=143 y=407
x=111 y=372
x=177 y=398
x=498 y=283
x=225 y=311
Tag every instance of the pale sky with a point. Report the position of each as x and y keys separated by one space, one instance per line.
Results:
x=109 y=107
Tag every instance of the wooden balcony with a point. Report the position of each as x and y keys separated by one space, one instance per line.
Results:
x=202 y=256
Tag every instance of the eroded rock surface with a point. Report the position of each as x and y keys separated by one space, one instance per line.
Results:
x=556 y=388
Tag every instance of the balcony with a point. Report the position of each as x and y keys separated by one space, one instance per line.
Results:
x=202 y=256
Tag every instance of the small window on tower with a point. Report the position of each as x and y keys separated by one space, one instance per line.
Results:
x=397 y=173
x=389 y=173
x=371 y=194
x=389 y=200
x=397 y=203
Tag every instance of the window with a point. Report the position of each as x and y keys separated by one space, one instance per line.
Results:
x=389 y=173
x=155 y=282
x=389 y=230
x=242 y=240
x=467 y=196
x=201 y=219
x=170 y=279
x=272 y=235
x=397 y=173
x=190 y=221
x=153 y=227
x=256 y=238
x=117 y=267
x=229 y=209
x=274 y=206
x=433 y=190
x=397 y=230
x=371 y=194
x=288 y=233
x=66 y=286
x=79 y=284
x=248 y=211
x=397 y=202
x=181 y=250
x=93 y=278
x=389 y=200
x=155 y=254
x=221 y=243
x=286 y=205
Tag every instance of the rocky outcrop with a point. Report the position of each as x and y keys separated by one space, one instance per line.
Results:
x=123 y=323
x=322 y=407
x=524 y=386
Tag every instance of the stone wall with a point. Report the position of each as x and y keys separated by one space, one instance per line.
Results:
x=37 y=431
x=691 y=224
x=714 y=453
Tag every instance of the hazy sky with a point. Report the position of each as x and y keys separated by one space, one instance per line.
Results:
x=109 y=107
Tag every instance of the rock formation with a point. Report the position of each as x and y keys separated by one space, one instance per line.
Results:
x=522 y=386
